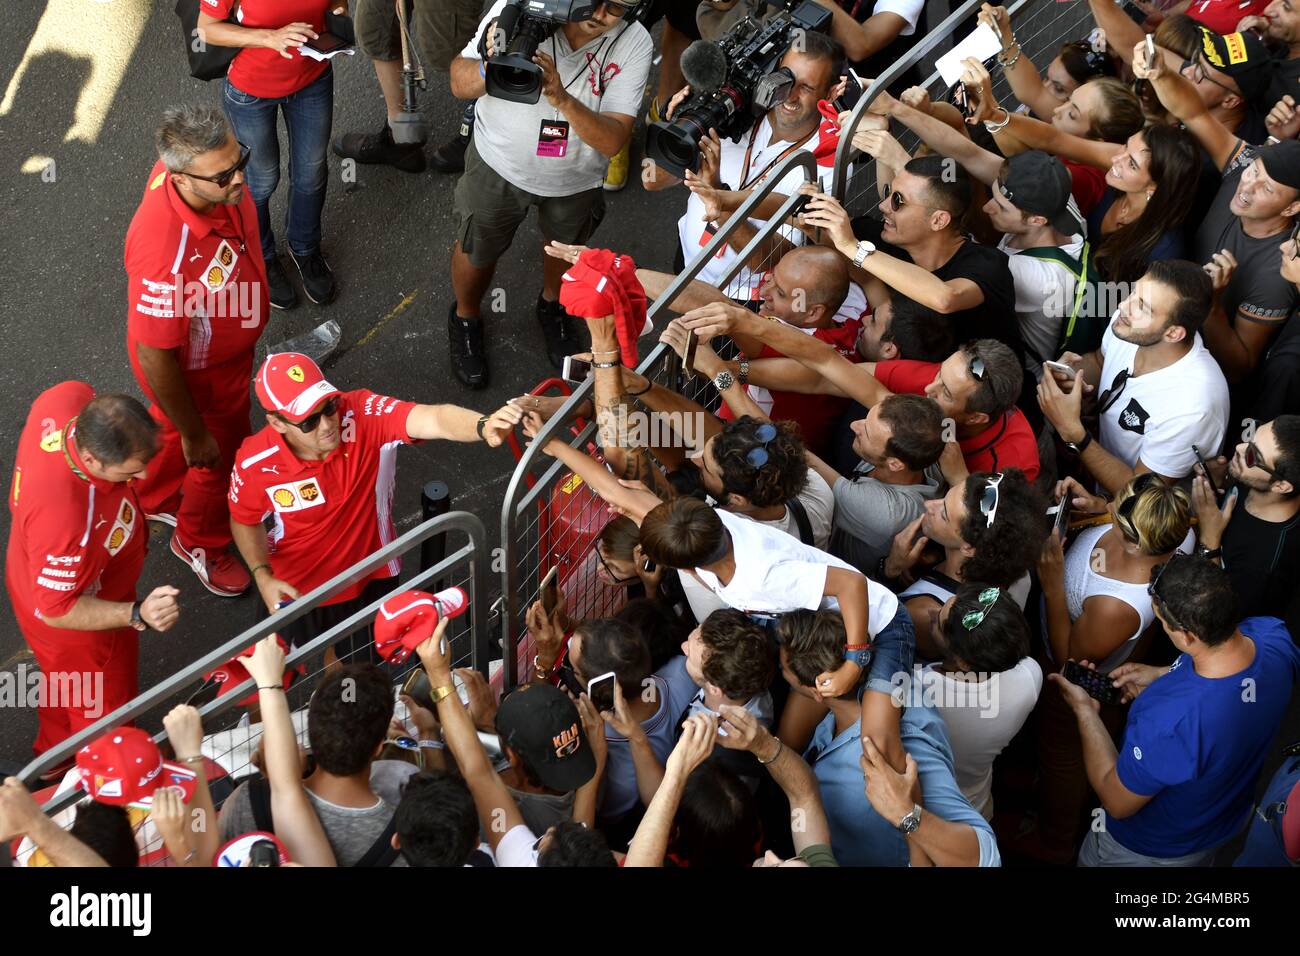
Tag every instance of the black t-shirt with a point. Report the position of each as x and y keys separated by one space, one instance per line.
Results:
x=1286 y=81
x=1263 y=560
x=995 y=317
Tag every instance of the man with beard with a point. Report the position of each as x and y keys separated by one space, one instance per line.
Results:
x=1160 y=392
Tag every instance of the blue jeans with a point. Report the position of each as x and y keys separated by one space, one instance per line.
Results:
x=308 y=116
x=1101 y=849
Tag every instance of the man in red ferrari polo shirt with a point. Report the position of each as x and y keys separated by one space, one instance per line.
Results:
x=324 y=469
x=976 y=387
x=197 y=302
x=76 y=545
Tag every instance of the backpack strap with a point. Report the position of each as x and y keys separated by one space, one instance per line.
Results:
x=382 y=852
x=1077 y=268
x=801 y=519
x=259 y=801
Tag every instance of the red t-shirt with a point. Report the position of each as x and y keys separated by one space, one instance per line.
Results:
x=1222 y=16
x=1007 y=443
x=327 y=514
x=195 y=282
x=264 y=72
x=815 y=414
x=1087 y=183
x=71 y=534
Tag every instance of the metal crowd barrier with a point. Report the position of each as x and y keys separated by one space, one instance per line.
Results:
x=228 y=740
x=1041 y=27
x=542 y=519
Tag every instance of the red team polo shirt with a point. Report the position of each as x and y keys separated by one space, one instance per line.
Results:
x=196 y=282
x=263 y=72
x=71 y=534
x=327 y=514
x=1007 y=443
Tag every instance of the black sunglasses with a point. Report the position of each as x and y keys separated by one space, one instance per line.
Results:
x=312 y=421
x=1153 y=588
x=1125 y=509
x=1098 y=63
x=1254 y=459
x=1111 y=395
x=223 y=179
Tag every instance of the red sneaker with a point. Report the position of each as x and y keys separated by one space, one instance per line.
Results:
x=220 y=571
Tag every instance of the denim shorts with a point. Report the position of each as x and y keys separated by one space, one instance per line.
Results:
x=893 y=651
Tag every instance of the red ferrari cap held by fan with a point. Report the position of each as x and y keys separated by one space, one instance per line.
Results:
x=232 y=673
x=407 y=620
x=292 y=384
x=124 y=768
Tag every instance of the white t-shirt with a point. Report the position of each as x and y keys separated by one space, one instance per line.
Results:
x=909 y=10
x=1044 y=297
x=981 y=719
x=506 y=134
x=516 y=847
x=1159 y=415
x=691 y=228
x=776 y=573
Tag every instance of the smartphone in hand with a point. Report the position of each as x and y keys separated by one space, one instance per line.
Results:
x=1205 y=470
x=601 y=691
x=1098 y=685
x=550 y=590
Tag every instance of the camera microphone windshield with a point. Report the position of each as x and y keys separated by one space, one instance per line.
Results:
x=704 y=66
x=409 y=127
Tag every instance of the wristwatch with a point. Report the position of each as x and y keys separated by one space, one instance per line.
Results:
x=742 y=372
x=1203 y=552
x=859 y=654
x=137 y=621
x=1079 y=446
x=482 y=420
x=864 y=249
x=723 y=380
x=910 y=823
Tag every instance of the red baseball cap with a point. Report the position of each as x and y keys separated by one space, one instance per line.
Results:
x=124 y=768
x=292 y=384
x=232 y=673
x=407 y=620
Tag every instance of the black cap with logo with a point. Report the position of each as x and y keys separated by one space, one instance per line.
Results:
x=541 y=724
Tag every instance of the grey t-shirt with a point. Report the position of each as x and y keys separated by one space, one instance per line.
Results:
x=1256 y=290
x=606 y=75
x=868 y=513
x=351 y=831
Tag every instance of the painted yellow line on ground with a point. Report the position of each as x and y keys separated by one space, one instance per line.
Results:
x=397 y=310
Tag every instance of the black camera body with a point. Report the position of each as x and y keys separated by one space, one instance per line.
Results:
x=753 y=84
x=524 y=25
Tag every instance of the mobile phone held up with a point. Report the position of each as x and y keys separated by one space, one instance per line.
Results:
x=576 y=370
x=1061 y=517
x=1098 y=685
x=550 y=590
x=601 y=691
x=1205 y=470
x=692 y=343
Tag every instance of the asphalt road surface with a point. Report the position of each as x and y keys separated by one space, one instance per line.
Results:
x=92 y=106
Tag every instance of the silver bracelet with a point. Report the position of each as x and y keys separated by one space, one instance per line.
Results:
x=1008 y=64
x=432 y=744
x=993 y=126
x=780 y=746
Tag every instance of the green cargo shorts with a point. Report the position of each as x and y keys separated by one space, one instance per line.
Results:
x=489 y=210
x=440 y=29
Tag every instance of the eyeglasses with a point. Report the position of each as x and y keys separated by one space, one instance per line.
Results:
x=1111 y=395
x=1200 y=75
x=1156 y=574
x=312 y=421
x=612 y=576
x=223 y=179
x=1125 y=509
x=987 y=598
x=758 y=456
x=989 y=499
x=1254 y=459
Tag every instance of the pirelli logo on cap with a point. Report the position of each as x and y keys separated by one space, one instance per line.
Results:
x=1236 y=44
x=296 y=495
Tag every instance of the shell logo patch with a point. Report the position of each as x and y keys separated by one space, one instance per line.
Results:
x=215 y=277
x=283 y=498
x=53 y=441
x=295 y=373
x=297 y=495
x=157 y=181
x=117 y=537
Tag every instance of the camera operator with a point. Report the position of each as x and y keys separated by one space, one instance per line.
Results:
x=737 y=167
x=551 y=154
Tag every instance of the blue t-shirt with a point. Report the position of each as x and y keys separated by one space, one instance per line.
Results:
x=1196 y=746
x=619 y=794
x=1168 y=246
x=859 y=835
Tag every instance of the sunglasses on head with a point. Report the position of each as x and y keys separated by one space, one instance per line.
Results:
x=990 y=498
x=977 y=368
x=987 y=598
x=223 y=179
x=1098 y=63
x=1153 y=588
x=312 y=421
x=758 y=456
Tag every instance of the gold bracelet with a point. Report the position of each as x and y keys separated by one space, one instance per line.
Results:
x=441 y=693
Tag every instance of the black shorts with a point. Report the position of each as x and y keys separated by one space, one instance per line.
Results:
x=679 y=13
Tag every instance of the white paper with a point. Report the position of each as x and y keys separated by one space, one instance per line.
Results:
x=982 y=45
x=349 y=50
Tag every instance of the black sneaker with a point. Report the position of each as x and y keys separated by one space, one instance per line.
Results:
x=557 y=327
x=468 y=356
x=317 y=279
x=278 y=285
x=379 y=148
x=450 y=156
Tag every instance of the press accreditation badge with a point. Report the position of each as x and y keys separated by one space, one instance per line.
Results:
x=553 y=140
